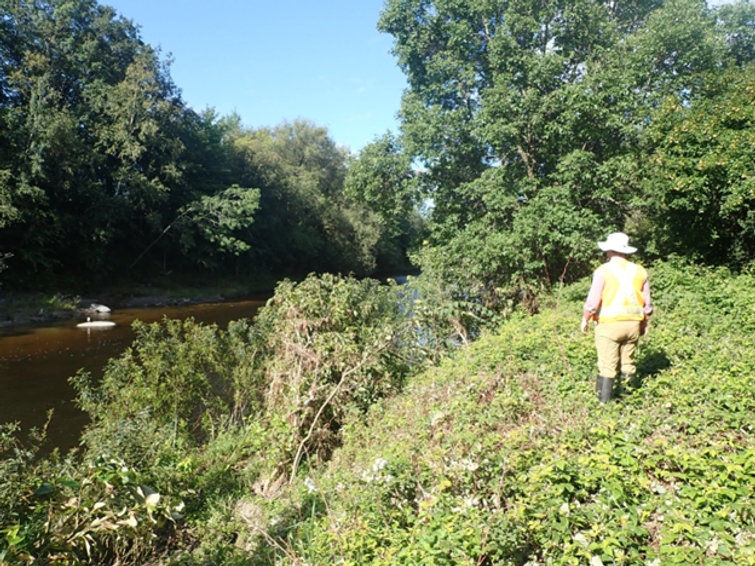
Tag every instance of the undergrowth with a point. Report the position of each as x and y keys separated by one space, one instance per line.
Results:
x=504 y=455
x=499 y=454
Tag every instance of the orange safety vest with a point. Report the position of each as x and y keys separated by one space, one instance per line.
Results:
x=622 y=295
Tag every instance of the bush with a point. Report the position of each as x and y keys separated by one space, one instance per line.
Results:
x=505 y=456
x=335 y=346
x=502 y=455
x=57 y=510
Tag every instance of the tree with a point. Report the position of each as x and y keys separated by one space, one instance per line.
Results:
x=699 y=193
x=527 y=118
x=101 y=164
x=88 y=149
x=737 y=22
x=305 y=223
x=382 y=179
x=216 y=219
x=381 y=176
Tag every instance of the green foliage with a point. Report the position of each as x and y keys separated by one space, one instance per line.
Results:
x=336 y=346
x=106 y=174
x=738 y=22
x=180 y=376
x=381 y=178
x=90 y=145
x=316 y=352
x=446 y=309
x=307 y=221
x=219 y=216
x=191 y=424
x=701 y=189
x=505 y=456
x=58 y=511
x=528 y=121
x=501 y=455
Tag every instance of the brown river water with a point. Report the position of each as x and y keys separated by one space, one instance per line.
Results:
x=37 y=360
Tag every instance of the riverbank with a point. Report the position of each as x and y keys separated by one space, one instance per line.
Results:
x=21 y=308
x=502 y=454
x=18 y=309
x=25 y=309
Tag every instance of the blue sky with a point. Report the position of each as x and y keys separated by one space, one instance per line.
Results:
x=276 y=60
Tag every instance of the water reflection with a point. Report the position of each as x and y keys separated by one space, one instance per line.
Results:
x=36 y=361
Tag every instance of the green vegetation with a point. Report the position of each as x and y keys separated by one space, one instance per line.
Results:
x=540 y=126
x=529 y=129
x=449 y=421
x=319 y=434
x=107 y=177
x=503 y=455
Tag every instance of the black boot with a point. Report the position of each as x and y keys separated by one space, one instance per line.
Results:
x=606 y=388
x=598 y=384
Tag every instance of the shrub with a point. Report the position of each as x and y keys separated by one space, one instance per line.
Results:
x=505 y=456
x=335 y=346
x=57 y=510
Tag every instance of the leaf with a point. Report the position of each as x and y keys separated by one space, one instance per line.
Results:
x=131 y=521
x=152 y=500
x=581 y=540
x=44 y=489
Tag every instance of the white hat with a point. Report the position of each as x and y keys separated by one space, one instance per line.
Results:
x=617 y=242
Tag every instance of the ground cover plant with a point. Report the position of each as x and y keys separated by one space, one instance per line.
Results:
x=504 y=455
x=193 y=414
x=499 y=454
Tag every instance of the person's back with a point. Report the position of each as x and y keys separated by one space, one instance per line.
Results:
x=622 y=297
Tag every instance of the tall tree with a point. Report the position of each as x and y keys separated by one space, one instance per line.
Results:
x=85 y=106
x=99 y=157
x=381 y=177
x=527 y=117
x=305 y=223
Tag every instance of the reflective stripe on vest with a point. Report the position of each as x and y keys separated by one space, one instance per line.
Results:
x=627 y=302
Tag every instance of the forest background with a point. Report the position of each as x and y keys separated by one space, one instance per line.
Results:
x=523 y=140
x=529 y=130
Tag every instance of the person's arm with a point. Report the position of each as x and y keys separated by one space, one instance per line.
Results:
x=594 y=298
x=648 y=308
x=646 y=295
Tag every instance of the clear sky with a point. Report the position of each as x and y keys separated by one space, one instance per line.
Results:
x=276 y=60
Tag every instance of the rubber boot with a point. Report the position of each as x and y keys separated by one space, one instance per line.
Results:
x=606 y=389
x=599 y=384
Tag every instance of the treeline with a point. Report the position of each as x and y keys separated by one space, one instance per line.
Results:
x=106 y=174
x=529 y=130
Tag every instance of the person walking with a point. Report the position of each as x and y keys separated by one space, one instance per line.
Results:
x=619 y=300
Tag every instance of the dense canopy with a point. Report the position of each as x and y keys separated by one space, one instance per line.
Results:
x=539 y=127
x=105 y=173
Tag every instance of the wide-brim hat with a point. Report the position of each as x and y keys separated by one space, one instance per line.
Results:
x=617 y=242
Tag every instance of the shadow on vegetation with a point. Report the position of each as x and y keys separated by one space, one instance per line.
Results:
x=653 y=362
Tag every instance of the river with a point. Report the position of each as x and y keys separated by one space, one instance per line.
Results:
x=37 y=360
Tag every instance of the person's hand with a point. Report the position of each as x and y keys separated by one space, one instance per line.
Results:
x=644 y=327
x=585 y=325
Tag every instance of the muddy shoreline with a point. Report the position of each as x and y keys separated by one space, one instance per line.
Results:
x=17 y=312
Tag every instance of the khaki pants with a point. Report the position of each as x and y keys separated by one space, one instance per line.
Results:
x=616 y=343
